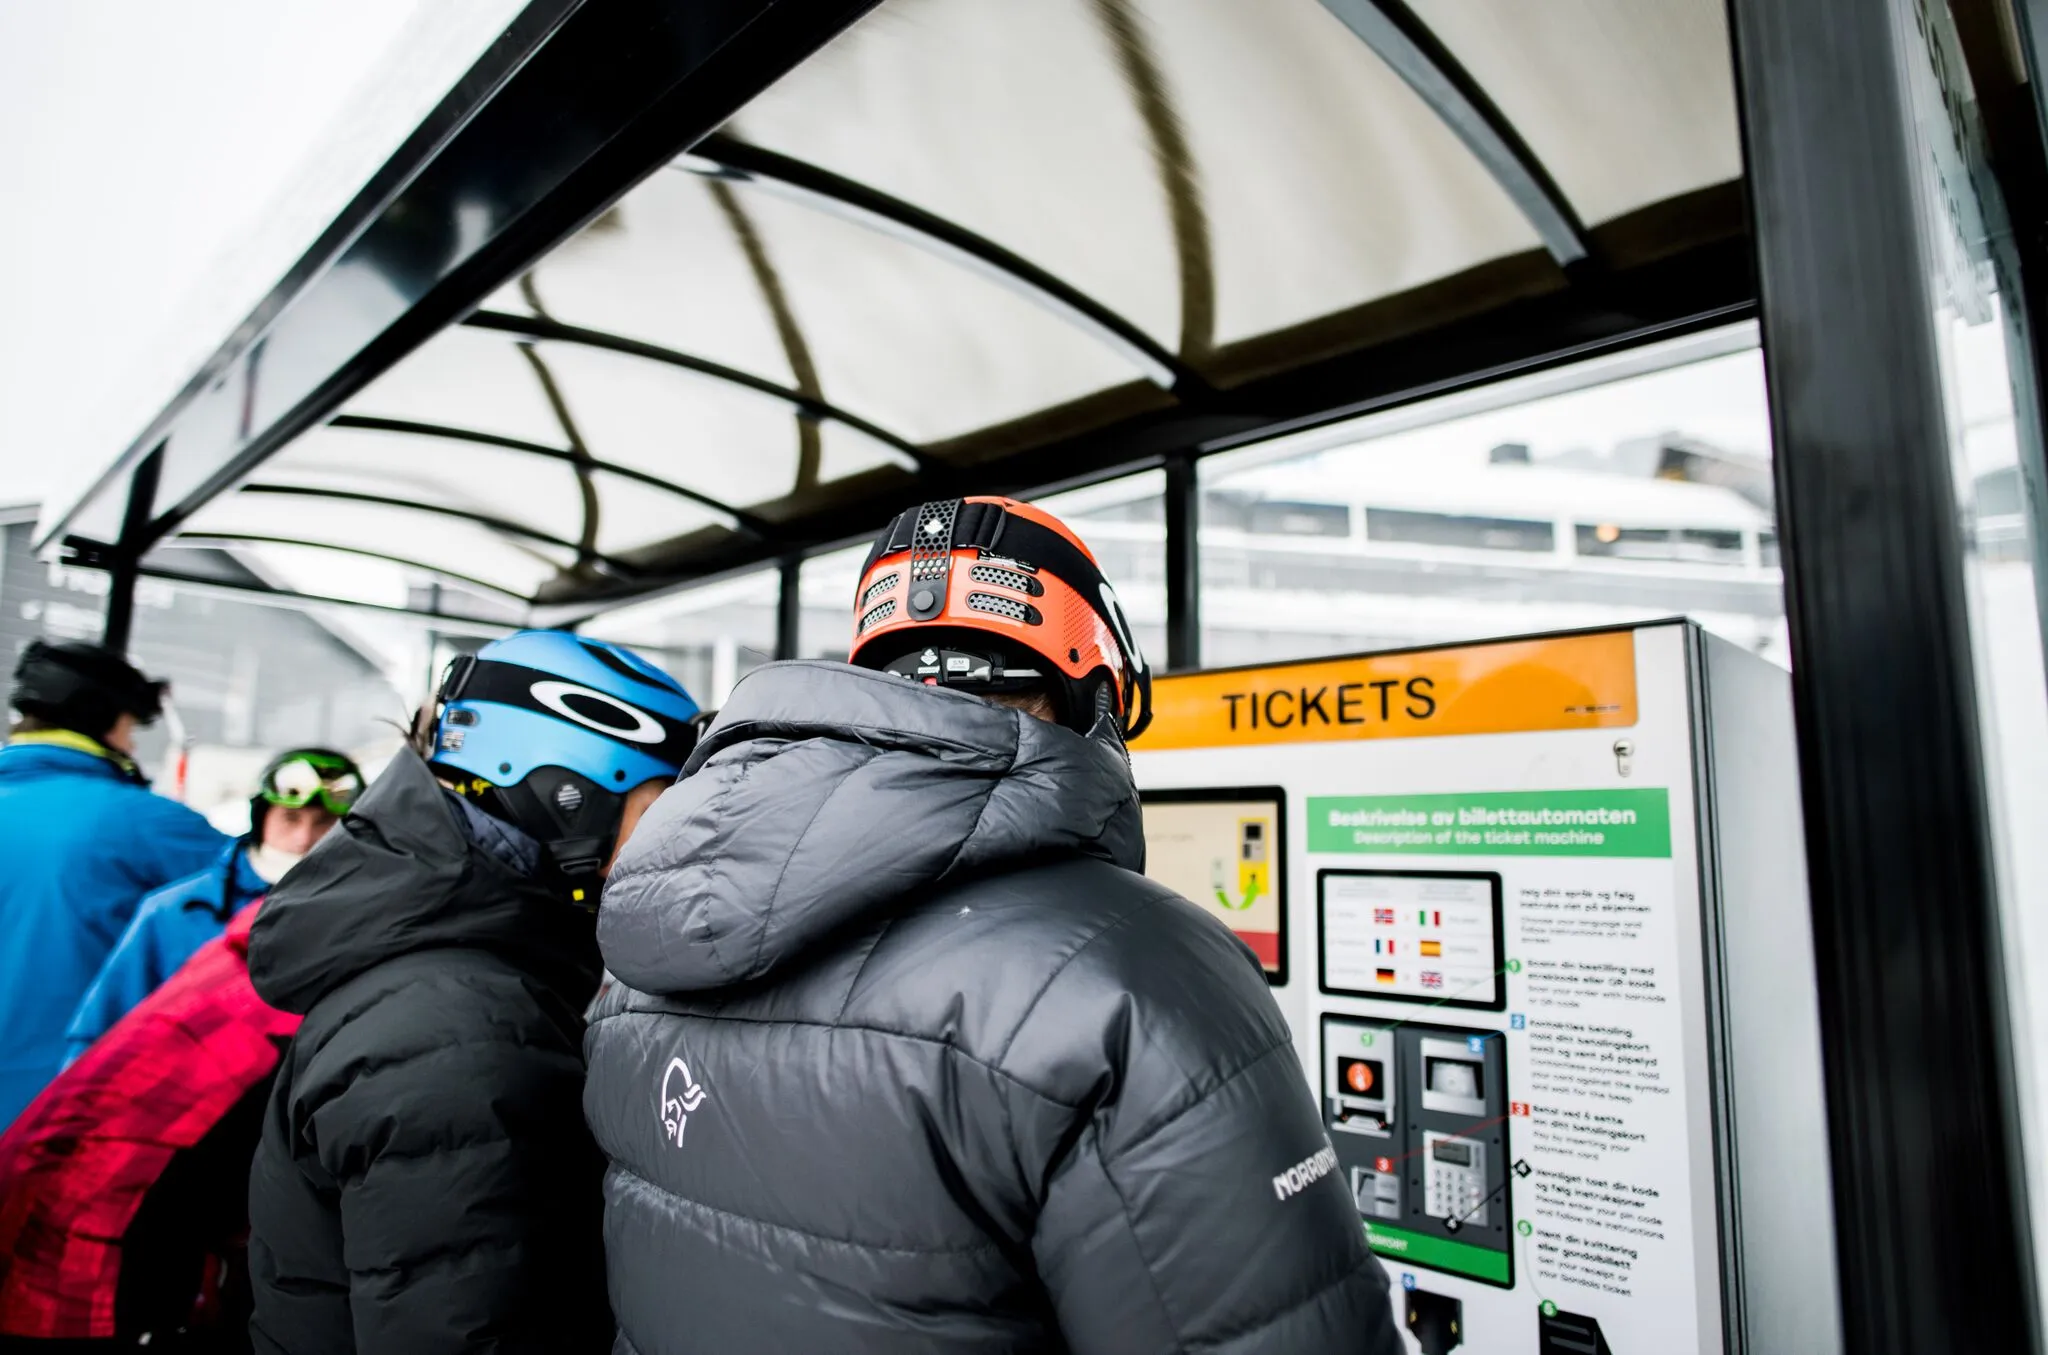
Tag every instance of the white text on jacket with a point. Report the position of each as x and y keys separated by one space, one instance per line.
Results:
x=1304 y=1174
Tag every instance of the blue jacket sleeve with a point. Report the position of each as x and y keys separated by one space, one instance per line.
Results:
x=179 y=838
x=161 y=937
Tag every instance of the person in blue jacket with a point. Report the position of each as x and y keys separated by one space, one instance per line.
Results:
x=83 y=841
x=300 y=796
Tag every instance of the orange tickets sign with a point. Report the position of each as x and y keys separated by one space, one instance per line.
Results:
x=1571 y=682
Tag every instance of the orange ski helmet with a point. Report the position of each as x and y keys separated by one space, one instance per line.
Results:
x=992 y=595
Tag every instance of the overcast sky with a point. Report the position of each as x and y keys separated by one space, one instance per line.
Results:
x=144 y=144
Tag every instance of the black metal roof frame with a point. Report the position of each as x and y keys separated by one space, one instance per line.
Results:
x=1405 y=43
x=721 y=156
x=583 y=144
x=418 y=428
x=263 y=539
x=531 y=327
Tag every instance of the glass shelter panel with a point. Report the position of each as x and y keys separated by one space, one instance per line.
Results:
x=708 y=637
x=1123 y=524
x=1992 y=401
x=826 y=587
x=1620 y=490
x=1626 y=103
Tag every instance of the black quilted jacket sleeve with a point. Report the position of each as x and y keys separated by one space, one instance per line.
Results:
x=1188 y=1204
x=426 y=1183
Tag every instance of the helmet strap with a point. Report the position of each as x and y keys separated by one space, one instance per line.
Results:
x=573 y=819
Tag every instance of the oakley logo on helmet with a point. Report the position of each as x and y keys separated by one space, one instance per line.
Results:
x=680 y=1095
x=634 y=725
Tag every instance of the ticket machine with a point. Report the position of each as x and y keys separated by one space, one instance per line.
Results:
x=1535 y=911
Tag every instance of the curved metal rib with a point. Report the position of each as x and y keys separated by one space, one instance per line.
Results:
x=502 y=526
x=377 y=424
x=1405 y=43
x=552 y=330
x=291 y=597
x=720 y=157
x=253 y=539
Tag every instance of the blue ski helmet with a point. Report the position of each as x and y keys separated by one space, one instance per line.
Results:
x=548 y=731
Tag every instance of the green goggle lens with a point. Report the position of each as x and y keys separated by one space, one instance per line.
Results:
x=301 y=782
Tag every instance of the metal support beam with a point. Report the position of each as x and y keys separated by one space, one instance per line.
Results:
x=1183 y=564
x=293 y=600
x=532 y=327
x=1929 y=1198
x=1405 y=43
x=413 y=427
x=789 y=607
x=720 y=156
x=126 y=557
x=219 y=540
x=502 y=526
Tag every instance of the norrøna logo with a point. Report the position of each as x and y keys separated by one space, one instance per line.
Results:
x=633 y=724
x=680 y=1095
x=1304 y=1174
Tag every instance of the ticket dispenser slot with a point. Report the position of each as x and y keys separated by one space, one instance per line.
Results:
x=1360 y=1101
x=1453 y=1078
x=1358 y=1078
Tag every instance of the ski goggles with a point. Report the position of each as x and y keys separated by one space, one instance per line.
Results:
x=301 y=781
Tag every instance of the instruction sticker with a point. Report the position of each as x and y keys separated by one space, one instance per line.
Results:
x=1495 y=823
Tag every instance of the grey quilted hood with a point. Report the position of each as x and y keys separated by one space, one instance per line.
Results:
x=789 y=826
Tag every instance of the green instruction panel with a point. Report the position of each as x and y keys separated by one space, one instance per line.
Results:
x=1495 y=823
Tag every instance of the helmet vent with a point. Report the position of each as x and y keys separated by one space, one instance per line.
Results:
x=568 y=797
x=1006 y=578
x=877 y=616
x=931 y=548
x=879 y=587
x=1006 y=607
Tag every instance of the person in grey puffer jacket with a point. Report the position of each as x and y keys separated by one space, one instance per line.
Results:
x=906 y=1057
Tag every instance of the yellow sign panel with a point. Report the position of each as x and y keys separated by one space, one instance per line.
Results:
x=1570 y=682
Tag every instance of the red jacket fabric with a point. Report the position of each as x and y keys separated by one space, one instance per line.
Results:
x=80 y=1163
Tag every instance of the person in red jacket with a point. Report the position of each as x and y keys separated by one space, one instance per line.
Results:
x=124 y=1186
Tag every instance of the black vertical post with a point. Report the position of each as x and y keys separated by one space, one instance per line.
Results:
x=789 y=608
x=433 y=643
x=126 y=561
x=1932 y=1244
x=1183 y=564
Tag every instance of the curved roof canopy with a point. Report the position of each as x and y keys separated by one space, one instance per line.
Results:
x=965 y=246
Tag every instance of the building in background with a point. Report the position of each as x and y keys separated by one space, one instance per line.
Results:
x=246 y=679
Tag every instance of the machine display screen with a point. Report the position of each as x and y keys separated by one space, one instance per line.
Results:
x=1223 y=850
x=1451 y=1152
x=1412 y=936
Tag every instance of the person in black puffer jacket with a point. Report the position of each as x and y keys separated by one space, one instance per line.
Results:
x=425 y=1182
x=905 y=1057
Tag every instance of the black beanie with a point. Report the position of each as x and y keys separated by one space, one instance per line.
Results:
x=82 y=687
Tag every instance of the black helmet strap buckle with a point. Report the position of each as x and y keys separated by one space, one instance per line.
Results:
x=978 y=670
